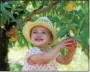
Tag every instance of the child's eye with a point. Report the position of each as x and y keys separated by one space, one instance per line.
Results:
x=44 y=32
x=34 y=32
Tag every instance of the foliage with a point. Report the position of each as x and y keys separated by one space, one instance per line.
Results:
x=69 y=16
x=15 y=67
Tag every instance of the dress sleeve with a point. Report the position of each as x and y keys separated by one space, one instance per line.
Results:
x=31 y=51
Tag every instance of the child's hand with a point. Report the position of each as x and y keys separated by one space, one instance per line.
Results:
x=65 y=42
x=72 y=46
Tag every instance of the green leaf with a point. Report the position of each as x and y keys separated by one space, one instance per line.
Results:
x=64 y=51
x=84 y=38
x=15 y=67
x=12 y=2
x=33 y=3
x=7 y=5
x=21 y=40
x=5 y=13
x=63 y=31
x=2 y=7
x=57 y=21
x=74 y=25
x=3 y=18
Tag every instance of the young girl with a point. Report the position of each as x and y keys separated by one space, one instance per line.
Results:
x=45 y=54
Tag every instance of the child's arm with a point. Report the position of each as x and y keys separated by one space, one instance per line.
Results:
x=65 y=59
x=48 y=56
x=68 y=58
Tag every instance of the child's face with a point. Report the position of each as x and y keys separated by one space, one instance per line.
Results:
x=40 y=36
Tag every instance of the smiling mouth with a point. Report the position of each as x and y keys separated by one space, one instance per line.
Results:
x=38 y=39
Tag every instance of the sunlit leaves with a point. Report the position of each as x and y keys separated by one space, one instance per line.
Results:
x=74 y=27
x=21 y=40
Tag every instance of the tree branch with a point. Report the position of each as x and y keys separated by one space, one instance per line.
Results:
x=40 y=10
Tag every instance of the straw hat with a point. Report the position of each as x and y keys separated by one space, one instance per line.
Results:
x=43 y=21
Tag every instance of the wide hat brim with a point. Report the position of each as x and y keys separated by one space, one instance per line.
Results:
x=29 y=25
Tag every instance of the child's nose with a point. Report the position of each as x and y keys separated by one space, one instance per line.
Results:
x=39 y=34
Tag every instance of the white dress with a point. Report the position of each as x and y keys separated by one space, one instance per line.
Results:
x=51 y=66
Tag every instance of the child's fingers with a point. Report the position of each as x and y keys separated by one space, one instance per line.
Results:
x=68 y=43
x=68 y=40
x=64 y=38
